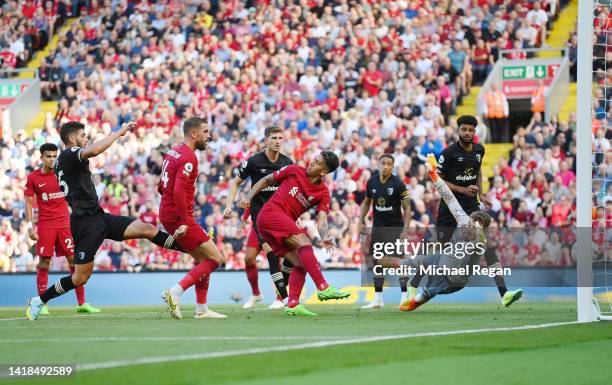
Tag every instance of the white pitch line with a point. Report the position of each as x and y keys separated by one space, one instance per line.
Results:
x=177 y=338
x=122 y=315
x=310 y=345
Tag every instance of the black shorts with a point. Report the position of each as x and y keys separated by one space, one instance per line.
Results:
x=89 y=232
x=384 y=235
x=446 y=224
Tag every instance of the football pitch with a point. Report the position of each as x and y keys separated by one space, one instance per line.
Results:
x=437 y=344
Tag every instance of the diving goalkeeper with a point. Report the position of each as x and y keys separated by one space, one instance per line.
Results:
x=470 y=228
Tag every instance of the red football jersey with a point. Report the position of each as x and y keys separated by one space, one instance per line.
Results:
x=296 y=195
x=177 y=184
x=52 y=207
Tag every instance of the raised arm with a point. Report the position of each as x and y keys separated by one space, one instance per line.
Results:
x=100 y=146
x=445 y=192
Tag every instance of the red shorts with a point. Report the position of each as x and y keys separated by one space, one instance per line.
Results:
x=195 y=234
x=253 y=241
x=55 y=242
x=274 y=228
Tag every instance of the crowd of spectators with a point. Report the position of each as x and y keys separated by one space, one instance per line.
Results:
x=359 y=78
x=26 y=27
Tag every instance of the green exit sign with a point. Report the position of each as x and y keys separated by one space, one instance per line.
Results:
x=516 y=72
x=525 y=72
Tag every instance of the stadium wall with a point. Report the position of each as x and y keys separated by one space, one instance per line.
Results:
x=145 y=289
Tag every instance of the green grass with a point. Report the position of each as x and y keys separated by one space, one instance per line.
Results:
x=537 y=356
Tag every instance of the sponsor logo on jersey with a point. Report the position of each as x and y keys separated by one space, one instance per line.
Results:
x=381 y=202
x=305 y=202
x=57 y=195
x=270 y=188
x=383 y=208
x=467 y=176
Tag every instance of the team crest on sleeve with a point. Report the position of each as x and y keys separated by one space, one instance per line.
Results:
x=390 y=190
x=74 y=149
x=243 y=164
x=441 y=160
x=478 y=157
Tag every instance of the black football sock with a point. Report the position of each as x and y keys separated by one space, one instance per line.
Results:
x=167 y=241
x=60 y=287
x=287 y=266
x=277 y=275
x=379 y=282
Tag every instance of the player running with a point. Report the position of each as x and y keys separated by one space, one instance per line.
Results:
x=460 y=167
x=391 y=198
x=89 y=224
x=469 y=229
x=52 y=232
x=177 y=188
x=299 y=190
x=257 y=167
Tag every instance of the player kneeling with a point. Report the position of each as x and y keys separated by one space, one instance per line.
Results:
x=299 y=190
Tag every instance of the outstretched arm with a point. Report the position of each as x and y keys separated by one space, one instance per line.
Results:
x=445 y=192
x=100 y=146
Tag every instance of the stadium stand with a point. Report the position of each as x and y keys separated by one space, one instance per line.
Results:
x=355 y=80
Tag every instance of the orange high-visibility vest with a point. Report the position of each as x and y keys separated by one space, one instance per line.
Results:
x=538 y=99
x=495 y=105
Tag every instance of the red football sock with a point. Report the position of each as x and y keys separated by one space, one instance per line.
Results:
x=310 y=264
x=296 y=284
x=252 y=276
x=201 y=289
x=79 y=291
x=42 y=278
x=203 y=268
